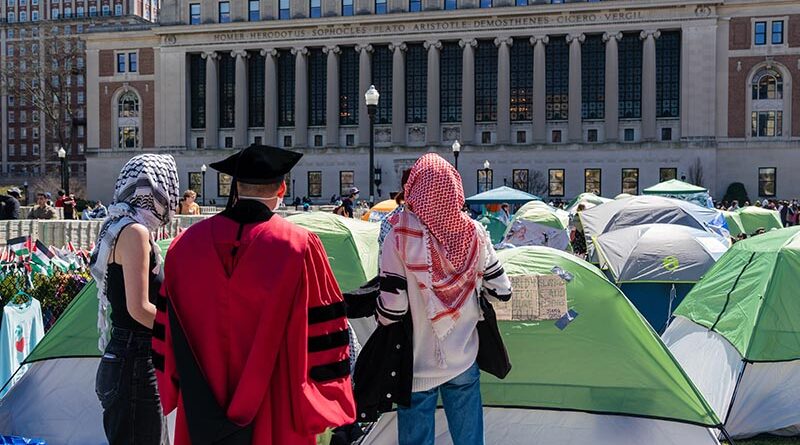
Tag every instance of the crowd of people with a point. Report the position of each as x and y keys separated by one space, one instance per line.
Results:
x=45 y=208
x=789 y=211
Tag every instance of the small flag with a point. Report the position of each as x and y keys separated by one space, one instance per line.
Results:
x=60 y=261
x=20 y=246
x=41 y=254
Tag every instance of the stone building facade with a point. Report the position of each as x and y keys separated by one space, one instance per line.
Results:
x=609 y=96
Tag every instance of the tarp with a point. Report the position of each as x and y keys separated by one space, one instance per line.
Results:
x=674 y=187
x=501 y=195
x=750 y=297
x=352 y=245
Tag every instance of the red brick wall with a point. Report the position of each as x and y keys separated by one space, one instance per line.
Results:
x=739 y=37
x=106 y=63
x=108 y=112
x=794 y=31
x=738 y=90
x=146 y=65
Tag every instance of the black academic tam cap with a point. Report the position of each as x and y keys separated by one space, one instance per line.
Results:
x=258 y=164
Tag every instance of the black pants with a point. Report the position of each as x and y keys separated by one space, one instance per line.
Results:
x=127 y=389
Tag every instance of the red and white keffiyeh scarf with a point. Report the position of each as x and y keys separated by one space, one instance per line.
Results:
x=438 y=242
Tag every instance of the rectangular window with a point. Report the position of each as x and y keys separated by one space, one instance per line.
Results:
x=318 y=140
x=450 y=82
x=255 y=100
x=777 y=32
x=450 y=4
x=760 y=33
x=382 y=76
x=591 y=135
x=23 y=116
x=521 y=81
x=557 y=80
x=194 y=13
x=133 y=64
x=520 y=179
x=287 y=141
x=593 y=74
x=283 y=11
x=522 y=137
x=196 y=183
x=630 y=181
x=347 y=8
x=416 y=84
x=226 y=90
x=556 y=136
x=348 y=87
x=486 y=82
x=79 y=11
x=486 y=3
x=200 y=143
x=629 y=135
x=556 y=182
x=346 y=182
x=380 y=7
x=349 y=139
x=766 y=181
x=767 y=124
x=666 y=134
x=485 y=179
x=317 y=80
x=223 y=184
x=254 y=10
x=23 y=16
x=314 y=184
x=93 y=12
x=315 y=8
x=197 y=91
x=117 y=10
x=630 y=77
x=286 y=89
x=667 y=174
x=228 y=141
x=106 y=10
x=486 y=137
x=120 y=62
x=668 y=74
x=592 y=181
x=224 y=12
x=415 y=5
x=35 y=16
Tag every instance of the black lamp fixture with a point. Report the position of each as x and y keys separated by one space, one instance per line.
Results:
x=203 y=169
x=371 y=97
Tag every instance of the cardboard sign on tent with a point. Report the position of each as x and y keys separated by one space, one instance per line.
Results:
x=737 y=335
x=605 y=379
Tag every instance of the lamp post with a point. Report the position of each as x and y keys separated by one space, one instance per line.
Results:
x=203 y=169
x=62 y=156
x=25 y=188
x=377 y=178
x=486 y=168
x=372 y=96
x=456 y=151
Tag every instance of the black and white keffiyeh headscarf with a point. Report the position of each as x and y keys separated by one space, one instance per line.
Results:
x=146 y=193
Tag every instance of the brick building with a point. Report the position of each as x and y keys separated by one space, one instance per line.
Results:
x=604 y=96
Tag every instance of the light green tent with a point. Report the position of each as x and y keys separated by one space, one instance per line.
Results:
x=588 y=200
x=351 y=244
x=751 y=218
x=605 y=379
x=738 y=334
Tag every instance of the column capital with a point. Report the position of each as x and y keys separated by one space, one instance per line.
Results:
x=654 y=33
x=539 y=39
x=580 y=37
x=272 y=52
x=240 y=53
x=331 y=49
x=471 y=42
x=302 y=50
x=364 y=47
x=612 y=35
x=509 y=41
x=398 y=46
x=428 y=44
x=210 y=55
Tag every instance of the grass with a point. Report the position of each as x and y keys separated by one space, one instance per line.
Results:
x=768 y=440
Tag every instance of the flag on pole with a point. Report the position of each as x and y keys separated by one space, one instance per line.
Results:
x=41 y=255
x=61 y=260
x=20 y=246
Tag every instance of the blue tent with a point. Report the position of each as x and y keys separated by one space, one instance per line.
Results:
x=502 y=195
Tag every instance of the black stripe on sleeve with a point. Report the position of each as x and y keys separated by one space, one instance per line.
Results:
x=388 y=315
x=494 y=274
x=158 y=361
x=161 y=303
x=393 y=284
x=321 y=314
x=501 y=297
x=332 y=371
x=328 y=341
x=159 y=332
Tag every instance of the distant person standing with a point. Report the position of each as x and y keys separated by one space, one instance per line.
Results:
x=67 y=202
x=42 y=210
x=9 y=205
x=346 y=209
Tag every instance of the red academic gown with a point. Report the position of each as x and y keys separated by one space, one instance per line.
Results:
x=267 y=328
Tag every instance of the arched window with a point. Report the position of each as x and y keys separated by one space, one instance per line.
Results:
x=766 y=107
x=128 y=120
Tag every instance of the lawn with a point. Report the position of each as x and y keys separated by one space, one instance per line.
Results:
x=769 y=440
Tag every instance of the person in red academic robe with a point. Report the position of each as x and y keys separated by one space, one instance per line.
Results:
x=251 y=341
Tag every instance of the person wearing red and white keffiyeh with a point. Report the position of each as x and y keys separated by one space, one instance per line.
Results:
x=434 y=262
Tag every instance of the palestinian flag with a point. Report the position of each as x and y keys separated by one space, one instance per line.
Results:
x=20 y=246
x=61 y=260
x=41 y=255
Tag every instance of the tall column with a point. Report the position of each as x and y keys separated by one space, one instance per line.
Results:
x=212 y=100
x=398 y=93
x=300 y=96
x=467 y=90
x=270 y=96
x=364 y=81
x=433 y=133
x=504 y=89
x=649 y=84
x=575 y=125
x=241 y=117
x=612 y=86
x=332 y=99
x=539 y=89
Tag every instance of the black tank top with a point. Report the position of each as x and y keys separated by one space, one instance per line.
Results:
x=120 y=317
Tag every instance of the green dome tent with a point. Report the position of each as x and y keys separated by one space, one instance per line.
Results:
x=751 y=218
x=734 y=223
x=588 y=200
x=681 y=190
x=737 y=334
x=605 y=379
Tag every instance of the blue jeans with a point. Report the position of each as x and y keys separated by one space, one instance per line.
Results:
x=461 y=398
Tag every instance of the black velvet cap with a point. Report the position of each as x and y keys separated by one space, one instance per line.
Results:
x=258 y=164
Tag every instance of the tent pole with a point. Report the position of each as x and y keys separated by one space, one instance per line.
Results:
x=727 y=436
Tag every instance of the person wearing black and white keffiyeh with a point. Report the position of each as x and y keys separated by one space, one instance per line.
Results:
x=145 y=199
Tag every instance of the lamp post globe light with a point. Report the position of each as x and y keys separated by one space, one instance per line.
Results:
x=203 y=169
x=456 y=151
x=25 y=188
x=371 y=97
x=486 y=168
x=62 y=156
